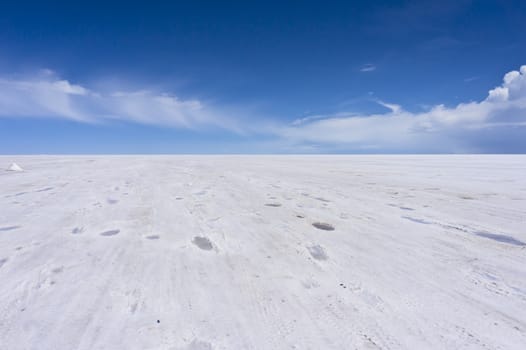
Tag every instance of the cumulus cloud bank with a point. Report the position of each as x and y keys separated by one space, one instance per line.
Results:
x=500 y=118
x=49 y=96
x=440 y=128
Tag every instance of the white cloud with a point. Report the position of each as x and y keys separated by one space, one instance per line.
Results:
x=470 y=79
x=439 y=127
x=46 y=96
x=391 y=106
x=368 y=68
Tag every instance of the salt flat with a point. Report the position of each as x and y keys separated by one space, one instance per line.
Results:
x=220 y=252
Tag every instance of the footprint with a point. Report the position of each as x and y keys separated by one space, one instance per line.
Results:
x=310 y=283
x=203 y=243
x=153 y=237
x=323 y=226
x=110 y=233
x=77 y=230
x=317 y=252
x=273 y=205
x=9 y=228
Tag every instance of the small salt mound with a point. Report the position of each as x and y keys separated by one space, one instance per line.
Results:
x=15 y=167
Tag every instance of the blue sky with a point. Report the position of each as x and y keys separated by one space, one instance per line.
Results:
x=263 y=77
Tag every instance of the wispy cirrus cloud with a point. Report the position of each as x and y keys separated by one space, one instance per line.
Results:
x=437 y=129
x=368 y=68
x=48 y=96
x=470 y=79
x=499 y=118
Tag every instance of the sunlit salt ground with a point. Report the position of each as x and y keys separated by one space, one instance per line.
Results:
x=264 y=252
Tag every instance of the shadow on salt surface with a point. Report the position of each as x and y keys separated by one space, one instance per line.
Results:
x=501 y=238
x=153 y=237
x=9 y=228
x=45 y=189
x=400 y=207
x=420 y=221
x=406 y=208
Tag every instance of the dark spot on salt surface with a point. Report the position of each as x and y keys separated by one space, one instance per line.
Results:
x=20 y=193
x=203 y=243
x=300 y=216
x=178 y=198
x=112 y=201
x=3 y=261
x=9 y=228
x=273 y=205
x=153 y=237
x=77 y=230
x=501 y=238
x=110 y=233
x=466 y=197
x=323 y=226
